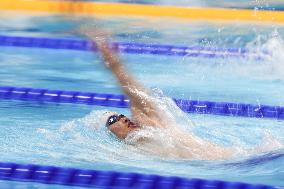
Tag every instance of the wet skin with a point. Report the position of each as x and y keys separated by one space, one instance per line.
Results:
x=123 y=127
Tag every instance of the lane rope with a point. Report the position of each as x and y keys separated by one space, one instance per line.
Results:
x=121 y=101
x=95 y=178
x=132 y=48
x=99 y=8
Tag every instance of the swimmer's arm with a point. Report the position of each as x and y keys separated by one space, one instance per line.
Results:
x=138 y=95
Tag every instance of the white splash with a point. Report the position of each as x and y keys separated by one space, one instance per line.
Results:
x=269 y=143
x=271 y=49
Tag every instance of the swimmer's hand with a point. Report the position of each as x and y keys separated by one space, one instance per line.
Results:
x=99 y=39
x=96 y=35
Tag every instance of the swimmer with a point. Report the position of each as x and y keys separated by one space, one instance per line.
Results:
x=148 y=117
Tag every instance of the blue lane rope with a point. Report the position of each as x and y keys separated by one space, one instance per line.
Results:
x=107 y=179
x=121 y=101
x=133 y=48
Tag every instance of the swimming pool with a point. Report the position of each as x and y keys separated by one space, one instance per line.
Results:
x=64 y=135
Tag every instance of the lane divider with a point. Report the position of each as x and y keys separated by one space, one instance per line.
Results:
x=121 y=101
x=132 y=48
x=94 y=8
x=95 y=178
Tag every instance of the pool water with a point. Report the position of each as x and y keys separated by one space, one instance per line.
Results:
x=68 y=135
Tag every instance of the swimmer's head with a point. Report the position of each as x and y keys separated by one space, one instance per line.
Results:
x=120 y=125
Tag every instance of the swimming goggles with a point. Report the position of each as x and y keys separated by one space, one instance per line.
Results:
x=113 y=119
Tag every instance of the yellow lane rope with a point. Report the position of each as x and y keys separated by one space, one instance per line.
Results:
x=143 y=10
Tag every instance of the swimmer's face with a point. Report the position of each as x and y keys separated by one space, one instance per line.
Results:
x=120 y=125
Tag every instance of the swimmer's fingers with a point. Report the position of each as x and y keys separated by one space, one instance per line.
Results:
x=94 y=33
x=99 y=39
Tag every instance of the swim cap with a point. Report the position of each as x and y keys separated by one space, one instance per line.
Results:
x=113 y=119
x=105 y=117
